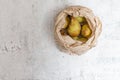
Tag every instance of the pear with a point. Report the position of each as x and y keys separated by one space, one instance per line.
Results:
x=67 y=21
x=74 y=28
x=75 y=38
x=80 y=19
x=86 y=31
x=82 y=39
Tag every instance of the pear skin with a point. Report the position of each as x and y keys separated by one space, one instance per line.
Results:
x=75 y=38
x=67 y=21
x=80 y=19
x=86 y=31
x=74 y=28
x=82 y=39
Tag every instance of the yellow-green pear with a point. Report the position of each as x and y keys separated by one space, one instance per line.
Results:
x=67 y=21
x=82 y=39
x=75 y=38
x=74 y=28
x=86 y=31
x=80 y=19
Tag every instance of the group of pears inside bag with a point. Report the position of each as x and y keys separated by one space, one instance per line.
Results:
x=77 y=29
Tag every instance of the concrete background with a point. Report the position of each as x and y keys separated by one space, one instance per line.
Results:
x=28 y=51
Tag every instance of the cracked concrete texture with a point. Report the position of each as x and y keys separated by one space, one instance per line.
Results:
x=28 y=51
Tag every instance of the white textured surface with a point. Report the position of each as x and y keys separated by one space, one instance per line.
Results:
x=28 y=51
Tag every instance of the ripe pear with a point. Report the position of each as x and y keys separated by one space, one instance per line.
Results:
x=67 y=21
x=86 y=31
x=80 y=19
x=74 y=28
x=75 y=38
x=82 y=39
